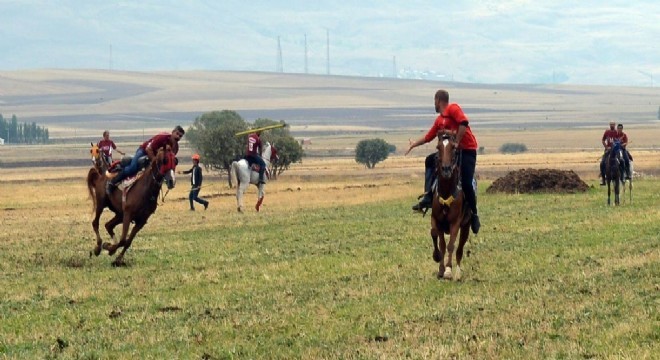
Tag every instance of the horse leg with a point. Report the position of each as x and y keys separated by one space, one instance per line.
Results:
x=110 y=225
x=261 y=197
x=453 y=232
x=112 y=248
x=240 y=189
x=608 y=190
x=95 y=226
x=119 y=260
x=617 y=189
x=463 y=238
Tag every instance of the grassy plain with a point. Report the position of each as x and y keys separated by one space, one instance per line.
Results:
x=335 y=266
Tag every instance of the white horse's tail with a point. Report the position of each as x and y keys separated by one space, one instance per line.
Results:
x=233 y=172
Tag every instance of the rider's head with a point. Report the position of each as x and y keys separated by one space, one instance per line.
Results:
x=612 y=124
x=106 y=135
x=178 y=133
x=441 y=100
x=619 y=128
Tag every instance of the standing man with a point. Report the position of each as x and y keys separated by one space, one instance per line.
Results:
x=149 y=148
x=106 y=146
x=253 y=154
x=451 y=118
x=623 y=139
x=196 y=183
x=608 y=140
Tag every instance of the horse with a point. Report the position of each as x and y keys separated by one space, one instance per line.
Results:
x=613 y=172
x=132 y=205
x=449 y=212
x=99 y=161
x=245 y=176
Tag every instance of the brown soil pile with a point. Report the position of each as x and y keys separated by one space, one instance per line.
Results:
x=539 y=181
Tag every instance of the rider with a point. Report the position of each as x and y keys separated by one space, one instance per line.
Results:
x=608 y=140
x=149 y=148
x=253 y=152
x=623 y=139
x=106 y=146
x=196 y=183
x=451 y=118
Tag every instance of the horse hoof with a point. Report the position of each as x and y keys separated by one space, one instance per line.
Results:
x=457 y=276
x=447 y=274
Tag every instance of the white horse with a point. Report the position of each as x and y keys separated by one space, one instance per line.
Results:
x=243 y=176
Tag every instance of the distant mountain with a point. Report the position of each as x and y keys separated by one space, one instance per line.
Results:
x=587 y=42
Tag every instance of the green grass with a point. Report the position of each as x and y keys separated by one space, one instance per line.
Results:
x=549 y=276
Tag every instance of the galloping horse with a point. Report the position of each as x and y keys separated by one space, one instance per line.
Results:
x=246 y=176
x=133 y=205
x=449 y=212
x=613 y=171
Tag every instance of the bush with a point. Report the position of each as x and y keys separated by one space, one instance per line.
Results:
x=512 y=148
x=372 y=151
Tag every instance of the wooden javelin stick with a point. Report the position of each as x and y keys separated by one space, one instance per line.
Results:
x=269 y=127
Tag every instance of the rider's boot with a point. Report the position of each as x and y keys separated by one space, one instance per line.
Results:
x=602 y=180
x=425 y=202
x=476 y=224
x=112 y=183
x=628 y=174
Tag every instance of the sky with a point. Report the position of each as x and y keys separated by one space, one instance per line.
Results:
x=607 y=42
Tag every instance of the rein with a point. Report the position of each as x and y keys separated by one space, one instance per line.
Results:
x=455 y=173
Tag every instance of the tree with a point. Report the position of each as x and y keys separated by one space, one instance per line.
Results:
x=512 y=148
x=372 y=151
x=288 y=149
x=212 y=136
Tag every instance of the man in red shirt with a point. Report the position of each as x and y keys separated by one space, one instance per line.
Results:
x=253 y=154
x=451 y=118
x=623 y=139
x=149 y=148
x=608 y=140
x=106 y=146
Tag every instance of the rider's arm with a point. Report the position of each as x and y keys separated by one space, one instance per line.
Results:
x=430 y=135
x=462 y=127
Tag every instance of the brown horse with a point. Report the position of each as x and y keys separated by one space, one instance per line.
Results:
x=134 y=206
x=449 y=213
x=98 y=160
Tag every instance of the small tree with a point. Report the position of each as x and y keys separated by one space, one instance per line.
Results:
x=212 y=135
x=512 y=148
x=372 y=151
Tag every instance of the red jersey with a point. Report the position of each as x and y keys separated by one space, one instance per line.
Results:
x=160 y=141
x=253 y=145
x=450 y=119
x=106 y=147
x=609 y=136
x=623 y=138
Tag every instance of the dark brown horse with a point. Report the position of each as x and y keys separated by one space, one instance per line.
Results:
x=613 y=172
x=135 y=206
x=449 y=212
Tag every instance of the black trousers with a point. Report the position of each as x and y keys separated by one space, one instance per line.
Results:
x=468 y=163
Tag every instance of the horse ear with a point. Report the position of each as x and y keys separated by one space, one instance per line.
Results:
x=91 y=143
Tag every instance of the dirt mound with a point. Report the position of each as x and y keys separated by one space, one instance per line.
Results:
x=538 y=181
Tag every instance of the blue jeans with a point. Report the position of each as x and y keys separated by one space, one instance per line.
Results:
x=194 y=195
x=255 y=159
x=132 y=168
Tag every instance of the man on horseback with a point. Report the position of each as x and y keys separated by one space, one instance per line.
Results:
x=149 y=148
x=608 y=140
x=451 y=118
x=623 y=139
x=253 y=154
x=106 y=146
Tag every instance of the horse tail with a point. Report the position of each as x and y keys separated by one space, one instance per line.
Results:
x=233 y=173
x=92 y=176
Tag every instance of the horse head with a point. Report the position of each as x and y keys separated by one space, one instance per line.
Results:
x=447 y=159
x=96 y=154
x=165 y=164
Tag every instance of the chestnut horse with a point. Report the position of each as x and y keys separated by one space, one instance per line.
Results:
x=449 y=212
x=132 y=206
x=98 y=160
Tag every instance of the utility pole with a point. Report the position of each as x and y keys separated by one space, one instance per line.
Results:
x=280 y=65
x=327 y=43
x=306 y=68
x=394 y=67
